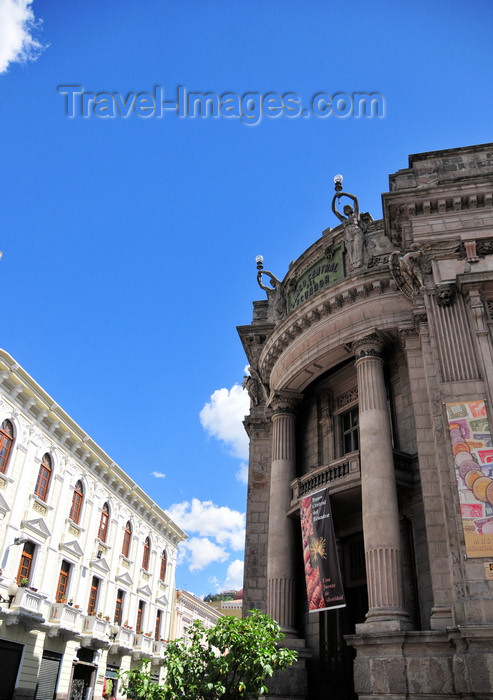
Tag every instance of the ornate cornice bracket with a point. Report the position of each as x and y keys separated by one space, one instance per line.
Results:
x=445 y=294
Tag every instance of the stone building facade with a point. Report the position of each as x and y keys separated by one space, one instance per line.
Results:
x=87 y=558
x=189 y=608
x=371 y=373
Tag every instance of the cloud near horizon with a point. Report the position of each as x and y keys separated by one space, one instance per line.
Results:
x=216 y=531
x=17 y=43
x=234 y=576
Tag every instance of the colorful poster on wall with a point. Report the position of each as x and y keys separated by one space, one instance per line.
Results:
x=323 y=576
x=472 y=448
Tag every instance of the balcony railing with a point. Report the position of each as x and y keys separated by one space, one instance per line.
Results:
x=340 y=472
x=65 y=618
x=95 y=632
x=26 y=607
x=159 y=649
x=345 y=473
x=123 y=641
x=143 y=645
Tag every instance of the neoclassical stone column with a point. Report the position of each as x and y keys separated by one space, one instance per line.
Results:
x=281 y=543
x=378 y=491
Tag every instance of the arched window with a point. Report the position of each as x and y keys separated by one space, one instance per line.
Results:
x=103 y=523
x=164 y=561
x=6 y=442
x=77 y=500
x=147 y=554
x=44 y=476
x=127 y=539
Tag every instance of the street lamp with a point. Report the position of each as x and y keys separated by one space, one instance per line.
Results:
x=12 y=591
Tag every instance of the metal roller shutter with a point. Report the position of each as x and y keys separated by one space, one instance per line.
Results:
x=10 y=658
x=48 y=676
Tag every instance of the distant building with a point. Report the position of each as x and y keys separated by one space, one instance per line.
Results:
x=231 y=605
x=87 y=558
x=189 y=608
x=372 y=375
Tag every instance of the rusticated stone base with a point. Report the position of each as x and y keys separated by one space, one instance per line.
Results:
x=456 y=663
x=291 y=684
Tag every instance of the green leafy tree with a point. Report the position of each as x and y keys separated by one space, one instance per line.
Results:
x=214 y=597
x=230 y=661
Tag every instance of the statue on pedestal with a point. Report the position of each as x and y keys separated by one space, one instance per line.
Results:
x=354 y=226
x=276 y=293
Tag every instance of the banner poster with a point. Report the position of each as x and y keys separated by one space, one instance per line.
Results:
x=323 y=577
x=472 y=448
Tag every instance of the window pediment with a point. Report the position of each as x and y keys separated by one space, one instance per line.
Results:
x=36 y=527
x=100 y=565
x=144 y=590
x=124 y=578
x=71 y=547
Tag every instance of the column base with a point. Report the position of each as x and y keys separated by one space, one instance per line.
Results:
x=441 y=618
x=384 y=620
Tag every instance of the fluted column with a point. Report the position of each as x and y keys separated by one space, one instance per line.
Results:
x=281 y=544
x=378 y=491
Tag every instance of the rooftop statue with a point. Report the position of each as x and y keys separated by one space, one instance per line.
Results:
x=354 y=226
x=276 y=293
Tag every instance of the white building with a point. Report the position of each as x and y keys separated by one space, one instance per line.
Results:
x=188 y=609
x=96 y=555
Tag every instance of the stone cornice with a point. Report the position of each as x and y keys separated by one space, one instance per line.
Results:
x=257 y=426
x=338 y=297
x=60 y=429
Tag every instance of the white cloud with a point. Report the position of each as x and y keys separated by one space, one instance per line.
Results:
x=215 y=532
x=158 y=475
x=200 y=552
x=224 y=525
x=234 y=576
x=222 y=417
x=242 y=473
x=17 y=23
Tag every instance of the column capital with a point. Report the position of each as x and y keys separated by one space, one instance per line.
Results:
x=283 y=402
x=370 y=345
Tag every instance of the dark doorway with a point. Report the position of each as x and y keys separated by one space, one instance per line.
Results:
x=335 y=678
x=81 y=682
x=83 y=676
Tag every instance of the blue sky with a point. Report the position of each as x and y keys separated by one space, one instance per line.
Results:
x=129 y=243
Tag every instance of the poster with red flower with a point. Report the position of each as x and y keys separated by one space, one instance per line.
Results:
x=322 y=573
